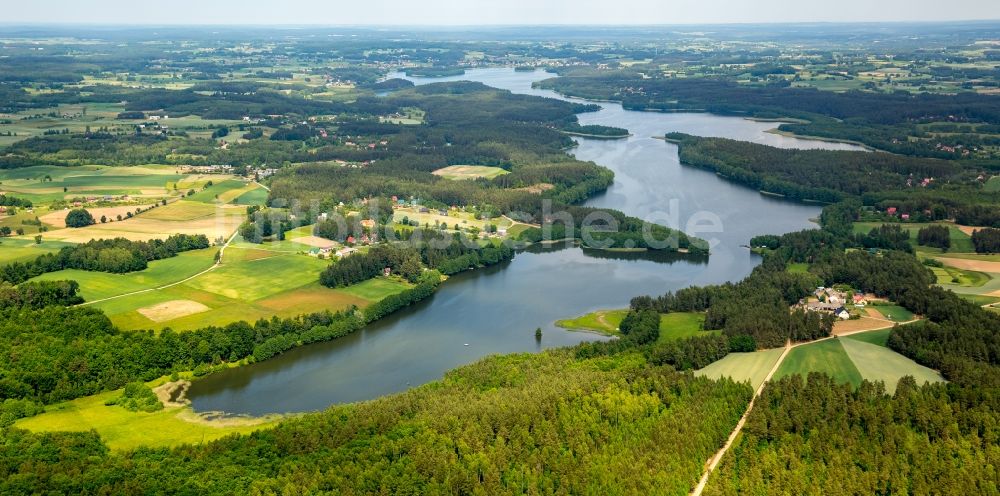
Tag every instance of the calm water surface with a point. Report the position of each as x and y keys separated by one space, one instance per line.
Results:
x=496 y=310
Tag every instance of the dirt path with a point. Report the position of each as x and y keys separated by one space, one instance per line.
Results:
x=182 y=281
x=713 y=462
x=602 y=319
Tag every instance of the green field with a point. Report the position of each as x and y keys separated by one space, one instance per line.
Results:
x=462 y=172
x=217 y=191
x=254 y=279
x=798 y=268
x=981 y=299
x=878 y=363
x=252 y=283
x=826 y=356
x=376 y=289
x=602 y=321
x=879 y=337
x=253 y=197
x=992 y=184
x=98 y=285
x=862 y=356
x=30 y=182
x=25 y=249
x=182 y=210
x=894 y=312
x=121 y=429
x=960 y=242
x=680 y=325
x=960 y=277
x=751 y=367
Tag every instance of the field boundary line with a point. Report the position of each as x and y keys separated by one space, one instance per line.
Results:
x=165 y=286
x=713 y=462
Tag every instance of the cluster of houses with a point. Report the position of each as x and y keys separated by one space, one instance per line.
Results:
x=106 y=198
x=209 y=169
x=834 y=301
x=953 y=149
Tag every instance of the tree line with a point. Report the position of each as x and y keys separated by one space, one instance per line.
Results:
x=118 y=255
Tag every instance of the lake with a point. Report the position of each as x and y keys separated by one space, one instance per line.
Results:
x=496 y=310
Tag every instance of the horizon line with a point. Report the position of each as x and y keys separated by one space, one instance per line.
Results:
x=4 y=24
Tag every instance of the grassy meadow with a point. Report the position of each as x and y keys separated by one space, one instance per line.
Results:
x=752 y=367
x=826 y=356
x=121 y=429
x=678 y=325
x=851 y=359
x=250 y=284
x=98 y=285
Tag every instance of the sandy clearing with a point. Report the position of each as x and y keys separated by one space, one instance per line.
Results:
x=873 y=312
x=144 y=229
x=536 y=189
x=967 y=229
x=170 y=310
x=975 y=265
x=863 y=324
x=315 y=241
x=58 y=218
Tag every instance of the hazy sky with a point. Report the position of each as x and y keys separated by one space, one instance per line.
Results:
x=470 y=12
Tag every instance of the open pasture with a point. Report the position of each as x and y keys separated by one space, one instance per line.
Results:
x=602 y=321
x=46 y=183
x=121 y=429
x=960 y=277
x=25 y=249
x=57 y=218
x=98 y=285
x=879 y=337
x=878 y=363
x=223 y=191
x=161 y=222
x=464 y=172
x=251 y=284
x=741 y=367
x=681 y=325
x=826 y=356
x=960 y=240
x=252 y=197
x=968 y=264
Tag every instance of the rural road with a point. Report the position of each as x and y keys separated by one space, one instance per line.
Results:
x=714 y=461
x=214 y=266
x=182 y=281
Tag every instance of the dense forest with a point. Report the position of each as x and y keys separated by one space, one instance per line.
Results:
x=513 y=424
x=918 y=189
x=527 y=395
x=317 y=122
x=818 y=175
